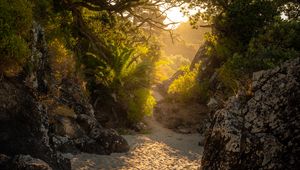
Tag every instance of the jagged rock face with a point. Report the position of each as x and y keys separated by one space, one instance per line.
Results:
x=39 y=59
x=24 y=125
x=72 y=95
x=68 y=134
x=27 y=101
x=262 y=132
x=24 y=129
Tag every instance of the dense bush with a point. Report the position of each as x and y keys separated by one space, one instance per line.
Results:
x=127 y=74
x=247 y=36
x=140 y=103
x=15 y=25
x=278 y=43
x=186 y=88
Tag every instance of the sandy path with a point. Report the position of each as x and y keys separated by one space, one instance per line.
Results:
x=161 y=149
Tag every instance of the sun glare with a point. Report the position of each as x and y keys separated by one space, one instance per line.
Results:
x=174 y=15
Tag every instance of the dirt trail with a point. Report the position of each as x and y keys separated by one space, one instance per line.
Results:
x=161 y=149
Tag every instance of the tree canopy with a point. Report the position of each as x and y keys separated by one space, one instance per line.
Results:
x=114 y=45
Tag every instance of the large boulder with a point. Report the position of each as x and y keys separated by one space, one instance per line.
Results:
x=110 y=140
x=261 y=131
x=22 y=162
x=99 y=141
x=26 y=162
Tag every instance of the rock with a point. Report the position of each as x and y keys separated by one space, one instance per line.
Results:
x=94 y=138
x=5 y=162
x=111 y=140
x=204 y=126
x=213 y=104
x=82 y=132
x=26 y=162
x=72 y=95
x=262 y=132
x=184 y=130
x=173 y=115
x=88 y=145
x=64 y=144
x=164 y=86
x=22 y=162
x=87 y=123
x=24 y=125
x=39 y=79
x=66 y=126
x=139 y=127
x=99 y=141
x=40 y=116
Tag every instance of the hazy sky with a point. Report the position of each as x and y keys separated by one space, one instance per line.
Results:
x=175 y=15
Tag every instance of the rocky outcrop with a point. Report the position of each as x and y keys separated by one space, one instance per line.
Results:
x=43 y=118
x=25 y=128
x=260 y=131
x=81 y=132
x=24 y=125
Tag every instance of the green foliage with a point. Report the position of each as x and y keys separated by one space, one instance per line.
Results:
x=247 y=36
x=61 y=60
x=278 y=43
x=15 y=25
x=140 y=103
x=229 y=74
x=203 y=91
x=42 y=10
x=167 y=65
x=14 y=47
x=129 y=68
x=186 y=87
x=244 y=19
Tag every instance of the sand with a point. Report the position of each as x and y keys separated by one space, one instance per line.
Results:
x=160 y=149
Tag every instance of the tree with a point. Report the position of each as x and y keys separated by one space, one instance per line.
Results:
x=237 y=30
x=115 y=48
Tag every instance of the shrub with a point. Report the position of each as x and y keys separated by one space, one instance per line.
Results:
x=15 y=24
x=228 y=74
x=270 y=48
x=140 y=104
x=61 y=59
x=186 y=87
